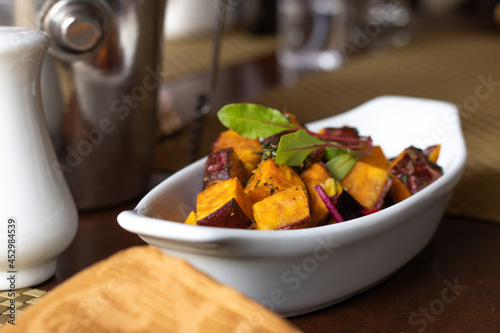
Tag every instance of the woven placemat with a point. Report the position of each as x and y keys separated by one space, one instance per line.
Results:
x=446 y=66
x=192 y=55
x=17 y=301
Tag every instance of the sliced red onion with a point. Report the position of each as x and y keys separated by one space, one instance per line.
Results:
x=329 y=203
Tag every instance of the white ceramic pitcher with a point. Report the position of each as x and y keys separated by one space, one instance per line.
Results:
x=38 y=216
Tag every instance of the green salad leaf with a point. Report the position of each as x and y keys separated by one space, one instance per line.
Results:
x=340 y=165
x=294 y=148
x=253 y=120
x=331 y=152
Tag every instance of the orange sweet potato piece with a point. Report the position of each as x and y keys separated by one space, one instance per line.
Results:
x=288 y=209
x=398 y=191
x=432 y=153
x=396 y=160
x=314 y=175
x=292 y=118
x=223 y=164
x=269 y=178
x=367 y=184
x=376 y=158
x=191 y=218
x=248 y=150
x=224 y=205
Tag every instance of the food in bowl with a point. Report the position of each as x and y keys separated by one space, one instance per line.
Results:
x=289 y=177
x=300 y=270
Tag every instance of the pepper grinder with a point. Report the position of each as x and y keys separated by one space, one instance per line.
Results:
x=38 y=216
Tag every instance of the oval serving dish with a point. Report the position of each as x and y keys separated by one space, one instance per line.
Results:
x=297 y=271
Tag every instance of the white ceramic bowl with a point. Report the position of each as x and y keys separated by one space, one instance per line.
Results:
x=297 y=271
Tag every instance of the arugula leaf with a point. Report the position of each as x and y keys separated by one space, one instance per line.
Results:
x=253 y=120
x=294 y=148
x=340 y=165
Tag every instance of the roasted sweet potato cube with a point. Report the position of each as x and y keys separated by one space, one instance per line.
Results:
x=367 y=184
x=376 y=158
x=398 y=191
x=314 y=175
x=432 y=152
x=224 y=205
x=248 y=150
x=288 y=209
x=223 y=164
x=270 y=178
x=191 y=218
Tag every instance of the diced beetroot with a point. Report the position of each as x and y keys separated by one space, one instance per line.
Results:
x=348 y=207
x=343 y=132
x=221 y=165
x=341 y=204
x=415 y=170
x=275 y=139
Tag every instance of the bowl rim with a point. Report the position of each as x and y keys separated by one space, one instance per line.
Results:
x=134 y=221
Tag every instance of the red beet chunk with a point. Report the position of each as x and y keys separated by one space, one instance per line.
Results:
x=341 y=132
x=223 y=164
x=415 y=170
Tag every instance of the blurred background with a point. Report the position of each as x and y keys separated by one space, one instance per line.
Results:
x=132 y=88
x=265 y=42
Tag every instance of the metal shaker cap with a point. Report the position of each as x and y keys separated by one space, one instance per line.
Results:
x=76 y=26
